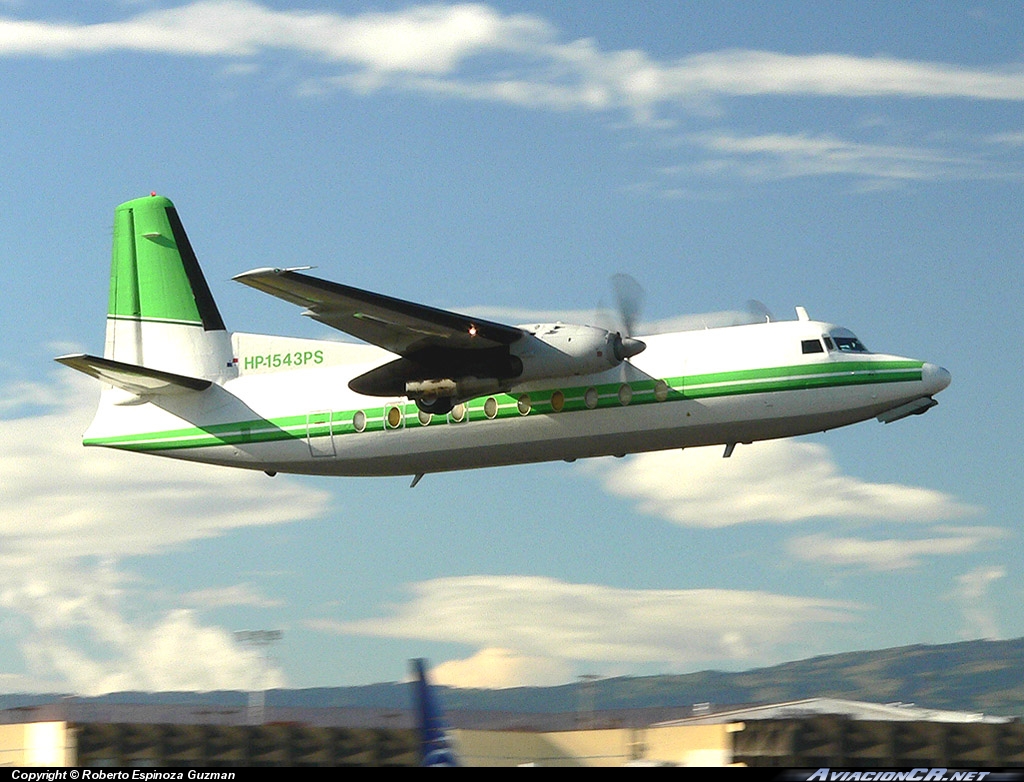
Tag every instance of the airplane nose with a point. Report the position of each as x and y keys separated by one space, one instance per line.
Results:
x=935 y=377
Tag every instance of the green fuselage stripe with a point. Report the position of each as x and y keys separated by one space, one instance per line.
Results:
x=706 y=386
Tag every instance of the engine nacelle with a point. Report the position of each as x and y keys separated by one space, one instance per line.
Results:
x=547 y=350
x=563 y=350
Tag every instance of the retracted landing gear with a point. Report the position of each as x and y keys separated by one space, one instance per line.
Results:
x=437 y=405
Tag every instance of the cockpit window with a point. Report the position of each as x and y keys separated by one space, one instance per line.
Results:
x=811 y=346
x=850 y=345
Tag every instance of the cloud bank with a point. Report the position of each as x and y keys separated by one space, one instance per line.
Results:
x=789 y=483
x=475 y=52
x=892 y=553
x=69 y=514
x=434 y=41
x=497 y=669
x=777 y=481
x=533 y=627
x=971 y=593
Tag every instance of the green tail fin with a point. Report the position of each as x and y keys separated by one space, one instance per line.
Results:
x=154 y=274
x=161 y=314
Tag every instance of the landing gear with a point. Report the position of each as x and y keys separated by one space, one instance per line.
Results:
x=436 y=405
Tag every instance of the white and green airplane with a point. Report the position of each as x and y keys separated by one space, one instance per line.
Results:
x=434 y=390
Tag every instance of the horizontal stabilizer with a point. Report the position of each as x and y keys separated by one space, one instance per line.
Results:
x=131 y=377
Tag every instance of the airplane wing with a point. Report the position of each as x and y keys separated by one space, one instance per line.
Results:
x=408 y=329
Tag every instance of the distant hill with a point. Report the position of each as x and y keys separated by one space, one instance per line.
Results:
x=983 y=676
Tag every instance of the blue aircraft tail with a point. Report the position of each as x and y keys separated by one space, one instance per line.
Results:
x=435 y=746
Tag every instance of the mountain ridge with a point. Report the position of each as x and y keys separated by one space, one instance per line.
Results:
x=977 y=676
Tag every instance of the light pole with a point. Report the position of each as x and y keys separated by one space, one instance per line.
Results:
x=259 y=639
x=585 y=718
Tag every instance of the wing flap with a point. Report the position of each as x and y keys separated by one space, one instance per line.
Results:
x=403 y=327
x=135 y=379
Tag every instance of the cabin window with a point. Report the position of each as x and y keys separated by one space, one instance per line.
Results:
x=590 y=398
x=425 y=418
x=811 y=346
x=625 y=394
x=491 y=407
x=850 y=345
x=557 y=401
x=524 y=404
x=359 y=421
x=458 y=412
x=395 y=417
x=661 y=390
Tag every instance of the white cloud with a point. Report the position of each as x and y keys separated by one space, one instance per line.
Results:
x=1015 y=139
x=496 y=669
x=542 y=619
x=971 y=593
x=437 y=41
x=68 y=514
x=782 y=156
x=478 y=53
x=175 y=652
x=419 y=39
x=20 y=394
x=85 y=637
x=235 y=595
x=744 y=72
x=540 y=72
x=889 y=554
x=114 y=504
x=777 y=481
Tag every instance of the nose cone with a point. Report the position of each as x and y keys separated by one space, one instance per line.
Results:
x=627 y=347
x=935 y=378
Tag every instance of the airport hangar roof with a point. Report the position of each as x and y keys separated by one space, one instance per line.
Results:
x=854 y=710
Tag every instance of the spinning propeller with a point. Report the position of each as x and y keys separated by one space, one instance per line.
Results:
x=629 y=298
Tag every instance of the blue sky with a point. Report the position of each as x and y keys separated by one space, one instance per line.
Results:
x=864 y=160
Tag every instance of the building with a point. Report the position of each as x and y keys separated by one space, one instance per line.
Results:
x=814 y=732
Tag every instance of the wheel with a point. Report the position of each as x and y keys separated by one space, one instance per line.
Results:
x=438 y=405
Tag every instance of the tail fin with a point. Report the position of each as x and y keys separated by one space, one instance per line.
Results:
x=435 y=746
x=161 y=313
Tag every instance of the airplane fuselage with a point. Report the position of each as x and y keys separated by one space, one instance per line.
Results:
x=284 y=405
x=429 y=390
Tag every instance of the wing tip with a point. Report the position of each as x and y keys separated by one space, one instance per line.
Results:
x=269 y=271
x=263 y=271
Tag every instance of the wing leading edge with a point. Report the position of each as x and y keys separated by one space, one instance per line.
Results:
x=402 y=327
x=434 y=344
